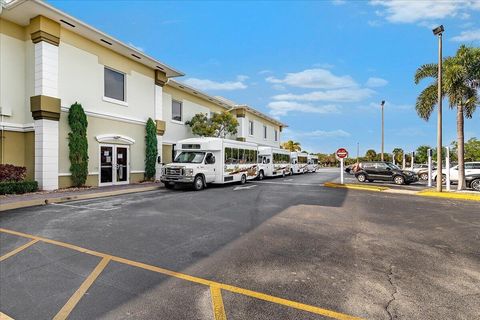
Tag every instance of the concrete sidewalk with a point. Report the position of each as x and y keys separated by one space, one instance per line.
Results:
x=9 y=202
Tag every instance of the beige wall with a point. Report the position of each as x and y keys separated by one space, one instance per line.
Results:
x=98 y=126
x=18 y=148
x=16 y=76
x=258 y=130
x=191 y=105
x=81 y=79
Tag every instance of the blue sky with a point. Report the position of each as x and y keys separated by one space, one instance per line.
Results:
x=321 y=67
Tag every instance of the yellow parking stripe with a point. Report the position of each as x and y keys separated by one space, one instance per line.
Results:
x=75 y=298
x=14 y=252
x=246 y=292
x=217 y=303
x=3 y=316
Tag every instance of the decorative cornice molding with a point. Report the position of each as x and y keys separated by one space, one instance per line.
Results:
x=118 y=138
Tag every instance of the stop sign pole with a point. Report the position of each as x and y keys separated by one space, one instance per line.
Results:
x=341 y=153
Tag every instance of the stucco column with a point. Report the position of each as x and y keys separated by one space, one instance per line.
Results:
x=160 y=80
x=45 y=104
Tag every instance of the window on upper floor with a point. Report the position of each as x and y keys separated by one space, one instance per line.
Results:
x=114 y=84
x=276 y=135
x=176 y=110
x=250 y=128
x=264 y=132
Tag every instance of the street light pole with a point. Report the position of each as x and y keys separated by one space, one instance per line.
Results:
x=438 y=32
x=383 y=140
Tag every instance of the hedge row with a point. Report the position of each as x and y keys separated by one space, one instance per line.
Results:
x=18 y=187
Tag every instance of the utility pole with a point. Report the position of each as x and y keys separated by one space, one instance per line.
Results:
x=438 y=32
x=383 y=140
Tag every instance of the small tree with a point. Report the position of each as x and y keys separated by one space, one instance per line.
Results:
x=78 y=144
x=225 y=124
x=219 y=125
x=291 y=145
x=151 y=149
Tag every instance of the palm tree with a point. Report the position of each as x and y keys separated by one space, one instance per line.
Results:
x=371 y=155
x=461 y=81
x=291 y=146
x=398 y=154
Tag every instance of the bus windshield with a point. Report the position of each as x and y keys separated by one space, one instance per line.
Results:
x=190 y=157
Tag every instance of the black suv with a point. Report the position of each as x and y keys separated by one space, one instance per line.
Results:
x=386 y=171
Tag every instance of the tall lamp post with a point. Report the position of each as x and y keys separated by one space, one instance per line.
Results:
x=383 y=140
x=438 y=31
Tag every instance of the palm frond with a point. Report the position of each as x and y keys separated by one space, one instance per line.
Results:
x=429 y=70
x=426 y=102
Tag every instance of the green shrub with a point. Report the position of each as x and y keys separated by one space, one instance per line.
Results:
x=151 y=149
x=18 y=187
x=78 y=144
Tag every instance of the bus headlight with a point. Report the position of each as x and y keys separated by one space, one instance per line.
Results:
x=188 y=172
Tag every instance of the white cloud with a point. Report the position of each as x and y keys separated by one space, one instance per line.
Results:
x=264 y=71
x=339 y=2
x=467 y=36
x=338 y=95
x=389 y=106
x=282 y=108
x=376 y=82
x=205 y=84
x=323 y=65
x=314 y=78
x=298 y=135
x=401 y=11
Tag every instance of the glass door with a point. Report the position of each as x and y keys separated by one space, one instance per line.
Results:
x=121 y=164
x=106 y=164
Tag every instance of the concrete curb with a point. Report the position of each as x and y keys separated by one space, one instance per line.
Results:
x=422 y=193
x=46 y=200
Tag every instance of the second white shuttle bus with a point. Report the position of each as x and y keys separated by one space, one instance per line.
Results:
x=273 y=162
x=211 y=160
x=299 y=162
x=312 y=161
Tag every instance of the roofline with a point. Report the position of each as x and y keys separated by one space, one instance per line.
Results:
x=186 y=88
x=260 y=114
x=173 y=72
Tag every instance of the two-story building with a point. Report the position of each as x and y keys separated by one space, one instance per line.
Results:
x=50 y=61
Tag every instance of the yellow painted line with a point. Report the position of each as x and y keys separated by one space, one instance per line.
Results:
x=246 y=292
x=217 y=303
x=450 y=195
x=354 y=186
x=21 y=248
x=3 y=316
x=75 y=298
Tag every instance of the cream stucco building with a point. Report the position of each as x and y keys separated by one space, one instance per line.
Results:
x=50 y=60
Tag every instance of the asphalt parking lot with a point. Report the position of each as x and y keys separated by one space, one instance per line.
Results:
x=284 y=248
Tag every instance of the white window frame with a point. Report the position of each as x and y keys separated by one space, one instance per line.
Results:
x=112 y=100
x=276 y=135
x=251 y=129
x=181 y=112
x=265 y=132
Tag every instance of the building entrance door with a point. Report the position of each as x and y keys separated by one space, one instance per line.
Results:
x=114 y=165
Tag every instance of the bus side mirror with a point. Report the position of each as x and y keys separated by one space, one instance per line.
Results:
x=159 y=159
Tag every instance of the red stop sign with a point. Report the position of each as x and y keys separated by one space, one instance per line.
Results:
x=342 y=153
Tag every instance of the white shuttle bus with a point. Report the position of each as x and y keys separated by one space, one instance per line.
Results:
x=199 y=161
x=312 y=163
x=299 y=162
x=273 y=162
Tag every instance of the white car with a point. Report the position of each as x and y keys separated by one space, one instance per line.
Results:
x=470 y=168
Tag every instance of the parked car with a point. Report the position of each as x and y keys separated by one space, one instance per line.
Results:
x=419 y=167
x=386 y=171
x=473 y=181
x=470 y=168
x=423 y=173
